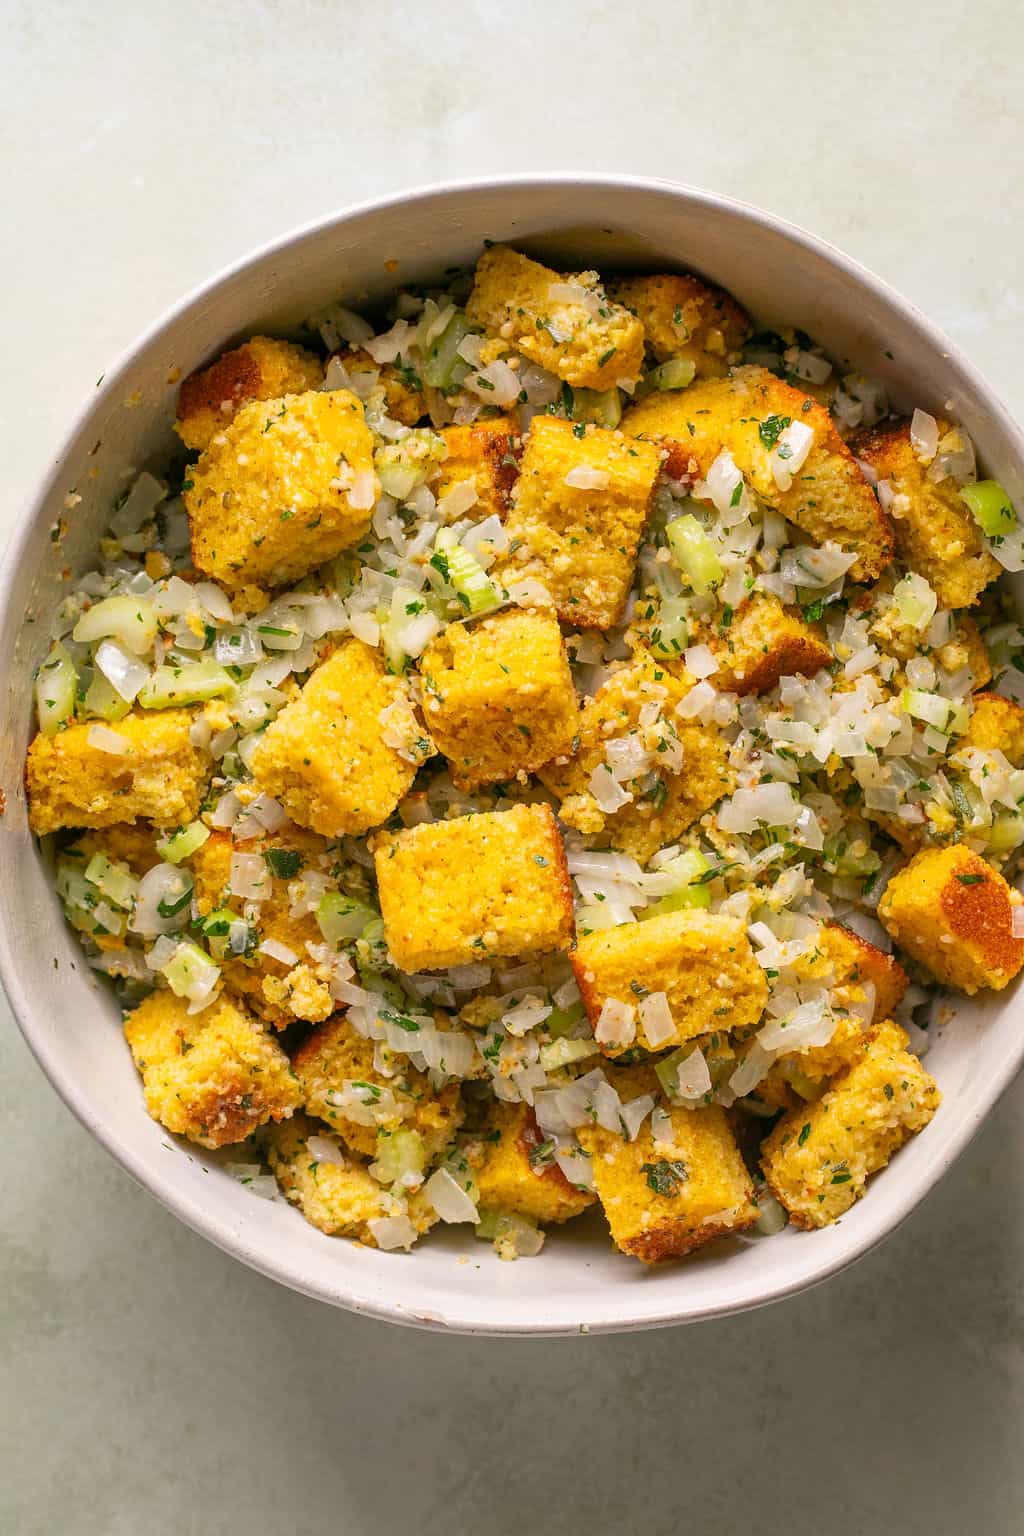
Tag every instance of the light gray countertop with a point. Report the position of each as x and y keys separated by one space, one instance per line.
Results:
x=153 y=1385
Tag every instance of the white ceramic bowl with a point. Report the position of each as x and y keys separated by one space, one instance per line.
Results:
x=579 y=1283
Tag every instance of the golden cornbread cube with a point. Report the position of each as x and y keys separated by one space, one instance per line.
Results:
x=160 y=775
x=339 y=1197
x=286 y=485
x=336 y=1054
x=279 y=992
x=580 y=505
x=702 y=961
x=212 y=1076
x=996 y=725
x=128 y=842
x=582 y=336
x=475 y=887
x=685 y=318
x=486 y=453
x=818 y=1158
x=507 y=1181
x=666 y=797
x=829 y=497
x=954 y=913
x=498 y=696
x=936 y=536
x=325 y=758
x=260 y=369
x=667 y=1196
x=763 y=642
x=403 y=398
x=966 y=649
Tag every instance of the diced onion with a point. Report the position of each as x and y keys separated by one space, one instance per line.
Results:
x=449 y=1199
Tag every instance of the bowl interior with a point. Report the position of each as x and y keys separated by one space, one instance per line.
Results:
x=69 y=1017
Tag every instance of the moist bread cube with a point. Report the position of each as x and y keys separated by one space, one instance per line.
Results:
x=487 y=454
x=213 y=1076
x=829 y=497
x=506 y=1179
x=996 y=725
x=665 y=801
x=818 y=1158
x=475 y=887
x=666 y=1197
x=954 y=913
x=160 y=776
x=278 y=992
x=588 y=340
x=579 y=541
x=336 y=1054
x=498 y=696
x=402 y=397
x=936 y=536
x=702 y=961
x=340 y=1198
x=286 y=485
x=128 y=842
x=324 y=756
x=260 y=369
x=685 y=318
x=763 y=642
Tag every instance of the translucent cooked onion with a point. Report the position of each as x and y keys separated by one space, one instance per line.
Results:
x=102 y=739
x=924 y=436
x=656 y=1020
x=123 y=671
x=694 y=1078
x=449 y=1199
x=769 y=805
x=606 y=790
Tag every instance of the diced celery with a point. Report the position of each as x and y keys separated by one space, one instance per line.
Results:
x=850 y=865
x=1007 y=832
x=677 y=373
x=215 y=929
x=694 y=554
x=190 y=972
x=132 y=620
x=340 y=918
x=915 y=601
x=670 y=632
x=77 y=895
x=561 y=1052
x=56 y=686
x=404 y=465
x=398 y=1154
x=932 y=708
x=603 y=407
x=990 y=507
x=470 y=582
x=102 y=699
x=667 y=1070
x=692 y=889
x=561 y=1020
x=443 y=353
x=183 y=843
x=115 y=881
x=190 y=684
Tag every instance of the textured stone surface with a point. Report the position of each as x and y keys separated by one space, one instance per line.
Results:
x=152 y=1384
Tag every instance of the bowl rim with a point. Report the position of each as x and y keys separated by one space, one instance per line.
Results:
x=191 y=1212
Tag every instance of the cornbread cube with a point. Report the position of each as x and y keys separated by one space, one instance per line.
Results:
x=954 y=913
x=487 y=453
x=280 y=993
x=260 y=369
x=584 y=338
x=336 y=1054
x=967 y=649
x=212 y=1076
x=340 y=1198
x=818 y=1158
x=160 y=775
x=997 y=725
x=508 y=1181
x=702 y=961
x=475 y=887
x=325 y=758
x=286 y=485
x=685 y=318
x=829 y=497
x=128 y=842
x=579 y=540
x=666 y=798
x=666 y=1197
x=498 y=696
x=935 y=533
x=403 y=398
x=765 y=641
